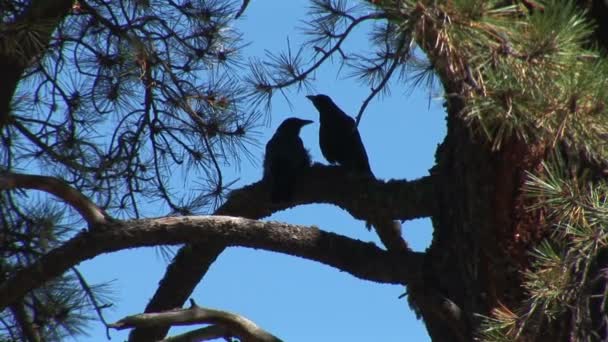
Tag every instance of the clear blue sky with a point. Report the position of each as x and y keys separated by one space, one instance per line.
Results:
x=299 y=300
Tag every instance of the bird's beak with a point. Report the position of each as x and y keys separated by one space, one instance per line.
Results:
x=310 y=97
x=306 y=122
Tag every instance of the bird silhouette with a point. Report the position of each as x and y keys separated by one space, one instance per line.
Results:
x=285 y=159
x=339 y=138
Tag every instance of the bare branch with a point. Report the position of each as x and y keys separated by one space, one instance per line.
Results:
x=362 y=260
x=235 y=325
x=93 y=298
x=376 y=90
x=285 y=69
x=89 y=211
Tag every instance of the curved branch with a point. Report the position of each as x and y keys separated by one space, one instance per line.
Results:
x=360 y=259
x=366 y=199
x=234 y=325
x=89 y=211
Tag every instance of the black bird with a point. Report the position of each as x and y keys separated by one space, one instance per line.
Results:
x=285 y=159
x=339 y=138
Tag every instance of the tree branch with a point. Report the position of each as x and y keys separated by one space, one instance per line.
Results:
x=203 y=334
x=89 y=211
x=362 y=260
x=234 y=325
x=366 y=199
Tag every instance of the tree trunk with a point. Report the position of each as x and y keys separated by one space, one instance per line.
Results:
x=481 y=231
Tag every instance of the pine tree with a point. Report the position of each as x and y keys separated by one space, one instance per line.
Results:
x=517 y=196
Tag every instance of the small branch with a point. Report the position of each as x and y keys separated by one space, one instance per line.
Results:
x=326 y=54
x=235 y=325
x=242 y=9
x=181 y=277
x=376 y=90
x=203 y=334
x=89 y=292
x=361 y=259
x=87 y=209
x=68 y=162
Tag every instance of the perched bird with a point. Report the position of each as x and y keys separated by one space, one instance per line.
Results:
x=285 y=159
x=339 y=138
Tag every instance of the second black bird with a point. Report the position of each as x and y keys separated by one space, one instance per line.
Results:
x=285 y=159
x=339 y=138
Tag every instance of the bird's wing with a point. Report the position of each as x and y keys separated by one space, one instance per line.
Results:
x=329 y=141
x=359 y=158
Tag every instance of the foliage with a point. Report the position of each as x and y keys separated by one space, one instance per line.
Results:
x=565 y=279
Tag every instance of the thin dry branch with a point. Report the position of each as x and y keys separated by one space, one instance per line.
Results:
x=361 y=259
x=234 y=325
x=89 y=211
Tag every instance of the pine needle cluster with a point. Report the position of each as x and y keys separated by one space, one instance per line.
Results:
x=567 y=280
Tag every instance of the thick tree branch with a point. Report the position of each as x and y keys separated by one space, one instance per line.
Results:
x=234 y=325
x=89 y=211
x=365 y=199
x=362 y=260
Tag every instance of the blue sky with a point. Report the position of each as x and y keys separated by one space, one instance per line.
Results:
x=296 y=299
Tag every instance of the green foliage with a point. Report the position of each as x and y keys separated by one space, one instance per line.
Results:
x=560 y=281
x=60 y=308
x=535 y=76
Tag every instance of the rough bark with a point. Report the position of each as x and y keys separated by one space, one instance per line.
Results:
x=481 y=229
